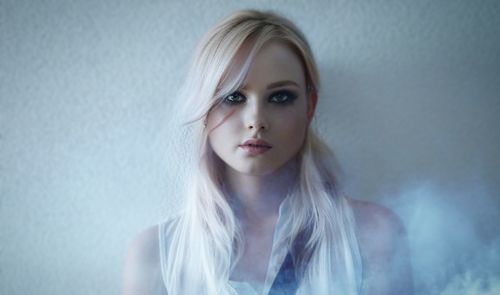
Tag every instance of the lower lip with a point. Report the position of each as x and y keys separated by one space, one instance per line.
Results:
x=255 y=150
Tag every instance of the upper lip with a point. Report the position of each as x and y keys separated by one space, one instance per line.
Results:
x=256 y=142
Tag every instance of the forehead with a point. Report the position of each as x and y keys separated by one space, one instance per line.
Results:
x=275 y=61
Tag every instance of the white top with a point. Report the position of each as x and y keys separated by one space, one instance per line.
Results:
x=278 y=253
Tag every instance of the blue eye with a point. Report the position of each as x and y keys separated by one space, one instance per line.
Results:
x=234 y=98
x=282 y=97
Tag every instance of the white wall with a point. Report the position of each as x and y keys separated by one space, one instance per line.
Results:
x=88 y=156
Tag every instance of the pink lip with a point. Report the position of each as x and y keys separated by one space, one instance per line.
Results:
x=255 y=146
x=256 y=142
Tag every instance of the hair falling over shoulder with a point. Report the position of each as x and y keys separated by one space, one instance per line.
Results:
x=207 y=241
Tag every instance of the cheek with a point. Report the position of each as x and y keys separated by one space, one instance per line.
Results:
x=219 y=144
x=294 y=121
x=222 y=130
x=292 y=130
x=218 y=118
x=217 y=135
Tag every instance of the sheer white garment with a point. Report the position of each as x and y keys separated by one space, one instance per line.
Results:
x=278 y=253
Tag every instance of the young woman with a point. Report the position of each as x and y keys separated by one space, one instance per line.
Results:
x=265 y=215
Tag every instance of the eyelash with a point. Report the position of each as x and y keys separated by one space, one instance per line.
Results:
x=291 y=97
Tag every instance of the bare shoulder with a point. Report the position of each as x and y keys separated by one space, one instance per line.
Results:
x=142 y=274
x=145 y=246
x=384 y=249
x=378 y=226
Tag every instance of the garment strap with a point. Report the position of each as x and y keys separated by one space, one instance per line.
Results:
x=286 y=282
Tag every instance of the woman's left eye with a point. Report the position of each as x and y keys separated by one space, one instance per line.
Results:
x=282 y=97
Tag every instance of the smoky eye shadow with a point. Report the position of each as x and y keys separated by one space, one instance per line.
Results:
x=291 y=96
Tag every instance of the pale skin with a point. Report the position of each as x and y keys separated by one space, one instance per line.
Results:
x=259 y=183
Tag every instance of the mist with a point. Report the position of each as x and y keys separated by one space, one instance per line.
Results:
x=410 y=104
x=454 y=238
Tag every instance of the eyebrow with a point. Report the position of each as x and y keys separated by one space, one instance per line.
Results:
x=278 y=84
x=282 y=83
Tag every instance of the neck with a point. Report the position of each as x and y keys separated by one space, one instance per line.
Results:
x=257 y=197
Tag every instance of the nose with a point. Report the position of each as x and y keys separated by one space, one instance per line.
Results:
x=256 y=118
x=257 y=125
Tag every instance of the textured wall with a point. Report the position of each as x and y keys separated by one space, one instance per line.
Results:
x=88 y=155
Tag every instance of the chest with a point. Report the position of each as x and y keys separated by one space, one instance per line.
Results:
x=254 y=262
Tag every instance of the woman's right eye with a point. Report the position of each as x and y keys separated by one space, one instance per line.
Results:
x=234 y=98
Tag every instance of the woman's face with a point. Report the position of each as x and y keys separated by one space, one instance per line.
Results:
x=271 y=106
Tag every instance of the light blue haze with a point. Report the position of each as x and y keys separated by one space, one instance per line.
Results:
x=410 y=104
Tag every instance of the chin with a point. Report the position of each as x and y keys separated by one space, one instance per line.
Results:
x=257 y=170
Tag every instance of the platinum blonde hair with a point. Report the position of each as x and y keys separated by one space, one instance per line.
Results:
x=207 y=241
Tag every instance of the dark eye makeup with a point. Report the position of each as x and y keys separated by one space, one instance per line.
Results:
x=282 y=97
x=234 y=98
x=277 y=97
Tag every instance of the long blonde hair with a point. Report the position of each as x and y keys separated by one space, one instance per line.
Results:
x=207 y=241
